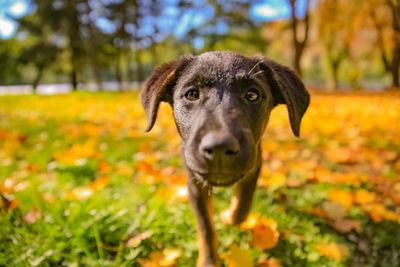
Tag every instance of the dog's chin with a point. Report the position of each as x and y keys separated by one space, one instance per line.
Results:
x=217 y=179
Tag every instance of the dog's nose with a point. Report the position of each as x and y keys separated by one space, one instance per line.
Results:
x=218 y=144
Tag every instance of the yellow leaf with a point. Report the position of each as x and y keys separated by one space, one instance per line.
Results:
x=166 y=258
x=345 y=198
x=362 y=196
x=236 y=257
x=276 y=180
x=332 y=250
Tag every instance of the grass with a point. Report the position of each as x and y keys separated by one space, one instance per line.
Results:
x=81 y=184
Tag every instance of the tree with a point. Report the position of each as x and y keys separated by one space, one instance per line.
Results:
x=385 y=18
x=38 y=48
x=9 y=65
x=336 y=31
x=395 y=66
x=299 y=42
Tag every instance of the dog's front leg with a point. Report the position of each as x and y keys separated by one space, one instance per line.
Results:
x=243 y=197
x=200 y=198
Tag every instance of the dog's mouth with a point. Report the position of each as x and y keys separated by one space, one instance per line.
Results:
x=217 y=179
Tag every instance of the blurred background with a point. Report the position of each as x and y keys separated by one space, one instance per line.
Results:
x=62 y=45
x=81 y=184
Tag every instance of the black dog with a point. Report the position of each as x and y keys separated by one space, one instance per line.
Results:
x=221 y=103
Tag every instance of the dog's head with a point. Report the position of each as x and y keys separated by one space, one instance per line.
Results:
x=221 y=103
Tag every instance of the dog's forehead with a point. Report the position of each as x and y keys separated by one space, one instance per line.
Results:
x=219 y=67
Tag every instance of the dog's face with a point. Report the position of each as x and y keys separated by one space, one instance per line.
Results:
x=221 y=104
x=221 y=107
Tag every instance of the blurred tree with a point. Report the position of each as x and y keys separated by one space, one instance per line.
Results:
x=225 y=25
x=336 y=31
x=385 y=18
x=298 y=25
x=136 y=29
x=38 y=46
x=395 y=66
x=63 y=18
x=9 y=65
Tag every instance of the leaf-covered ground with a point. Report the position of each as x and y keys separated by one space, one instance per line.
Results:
x=81 y=184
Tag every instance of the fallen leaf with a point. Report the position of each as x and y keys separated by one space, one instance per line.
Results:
x=80 y=193
x=32 y=216
x=165 y=258
x=236 y=257
x=346 y=225
x=363 y=196
x=269 y=262
x=99 y=183
x=135 y=241
x=345 y=198
x=264 y=230
x=333 y=210
x=332 y=251
x=264 y=236
x=379 y=212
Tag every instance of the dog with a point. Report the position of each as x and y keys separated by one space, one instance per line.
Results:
x=221 y=103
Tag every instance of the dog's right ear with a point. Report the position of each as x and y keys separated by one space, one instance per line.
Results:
x=159 y=87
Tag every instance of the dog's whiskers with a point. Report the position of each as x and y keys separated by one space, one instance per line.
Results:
x=250 y=73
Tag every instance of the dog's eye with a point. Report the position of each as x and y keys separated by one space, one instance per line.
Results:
x=192 y=95
x=252 y=95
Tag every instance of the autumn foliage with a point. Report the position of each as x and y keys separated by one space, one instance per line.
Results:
x=82 y=184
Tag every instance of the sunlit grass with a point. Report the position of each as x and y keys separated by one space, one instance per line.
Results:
x=82 y=184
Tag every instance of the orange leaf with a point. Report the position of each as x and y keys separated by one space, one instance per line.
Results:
x=270 y=262
x=99 y=183
x=342 y=197
x=166 y=258
x=362 y=196
x=333 y=251
x=264 y=236
x=379 y=212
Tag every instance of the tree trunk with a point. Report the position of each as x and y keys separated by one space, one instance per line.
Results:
x=74 y=78
x=299 y=44
x=118 y=74
x=396 y=66
x=37 y=79
x=96 y=69
x=139 y=66
x=296 y=62
x=395 y=8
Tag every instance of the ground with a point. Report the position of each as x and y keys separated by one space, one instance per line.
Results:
x=81 y=184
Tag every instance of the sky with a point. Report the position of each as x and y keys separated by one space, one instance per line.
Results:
x=8 y=9
x=265 y=11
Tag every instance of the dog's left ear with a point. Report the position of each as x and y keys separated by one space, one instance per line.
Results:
x=159 y=86
x=287 y=88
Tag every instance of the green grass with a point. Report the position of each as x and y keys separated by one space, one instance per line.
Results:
x=71 y=229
